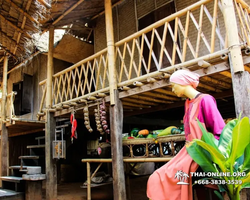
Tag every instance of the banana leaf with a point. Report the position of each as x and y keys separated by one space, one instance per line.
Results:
x=225 y=141
x=200 y=156
x=219 y=195
x=207 y=137
x=245 y=181
x=216 y=156
x=246 y=165
x=241 y=138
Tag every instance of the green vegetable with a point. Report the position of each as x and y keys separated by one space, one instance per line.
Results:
x=166 y=131
x=134 y=132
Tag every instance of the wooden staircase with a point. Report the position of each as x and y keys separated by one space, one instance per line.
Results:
x=13 y=186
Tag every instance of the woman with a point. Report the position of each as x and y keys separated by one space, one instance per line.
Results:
x=163 y=183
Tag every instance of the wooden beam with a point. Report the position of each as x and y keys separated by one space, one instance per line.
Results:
x=1 y=59
x=25 y=132
x=24 y=62
x=50 y=125
x=64 y=14
x=8 y=51
x=15 y=27
x=221 y=95
x=101 y=13
x=22 y=11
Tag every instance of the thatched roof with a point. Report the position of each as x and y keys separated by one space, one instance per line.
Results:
x=19 y=19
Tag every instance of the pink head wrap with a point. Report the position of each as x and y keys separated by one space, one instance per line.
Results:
x=184 y=77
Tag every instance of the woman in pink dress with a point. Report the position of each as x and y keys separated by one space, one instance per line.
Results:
x=163 y=183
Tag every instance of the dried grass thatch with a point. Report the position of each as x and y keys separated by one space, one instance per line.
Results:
x=19 y=20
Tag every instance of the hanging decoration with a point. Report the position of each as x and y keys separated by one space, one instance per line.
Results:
x=74 y=126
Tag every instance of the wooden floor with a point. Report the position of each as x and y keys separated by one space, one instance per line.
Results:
x=72 y=191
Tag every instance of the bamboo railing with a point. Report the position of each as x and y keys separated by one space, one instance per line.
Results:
x=180 y=40
x=10 y=111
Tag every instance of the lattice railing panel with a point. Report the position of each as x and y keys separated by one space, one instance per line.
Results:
x=242 y=12
x=183 y=36
x=81 y=79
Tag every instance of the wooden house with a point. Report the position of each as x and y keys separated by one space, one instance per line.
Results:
x=117 y=53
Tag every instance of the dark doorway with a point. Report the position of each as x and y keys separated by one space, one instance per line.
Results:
x=23 y=99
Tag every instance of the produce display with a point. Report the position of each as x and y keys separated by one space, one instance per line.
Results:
x=154 y=134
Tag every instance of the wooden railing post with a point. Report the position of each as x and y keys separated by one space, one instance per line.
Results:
x=4 y=134
x=116 y=111
x=240 y=78
x=51 y=168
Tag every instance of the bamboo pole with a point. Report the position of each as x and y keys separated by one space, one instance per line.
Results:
x=88 y=182
x=232 y=34
x=242 y=23
x=111 y=50
x=4 y=89
x=42 y=102
x=109 y=160
x=1 y=59
x=214 y=25
x=244 y=5
x=203 y=64
x=185 y=37
x=4 y=131
x=163 y=44
x=50 y=69
x=22 y=11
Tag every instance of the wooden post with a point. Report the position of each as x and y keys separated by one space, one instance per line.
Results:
x=4 y=134
x=50 y=125
x=116 y=119
x=240 y=78
x=116 y=111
